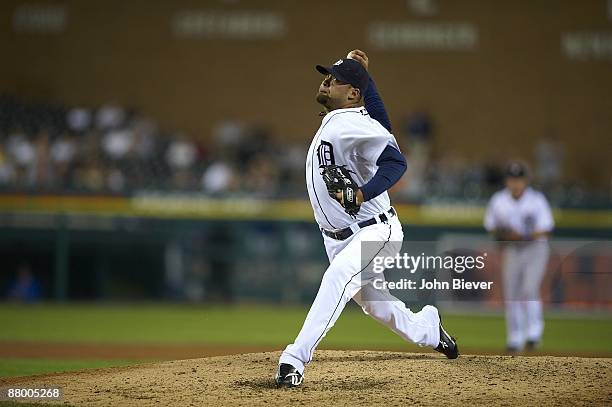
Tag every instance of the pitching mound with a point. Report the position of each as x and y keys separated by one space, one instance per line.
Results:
x=342 y=378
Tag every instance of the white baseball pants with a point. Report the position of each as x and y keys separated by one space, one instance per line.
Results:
x=523 y=270
x=346 y=278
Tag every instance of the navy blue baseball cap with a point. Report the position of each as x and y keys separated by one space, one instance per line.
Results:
x=516 y=169
x=349 y=71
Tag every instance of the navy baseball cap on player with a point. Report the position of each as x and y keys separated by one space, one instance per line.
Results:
x=516 y=169
x=349 y=71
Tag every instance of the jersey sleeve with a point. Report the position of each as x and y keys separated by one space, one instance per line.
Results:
x=391 y=167
x=490 y=220
x=375 y=106
x=366 y=142
x=545 y=221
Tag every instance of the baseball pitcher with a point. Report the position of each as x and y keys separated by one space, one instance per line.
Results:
x=352 y=161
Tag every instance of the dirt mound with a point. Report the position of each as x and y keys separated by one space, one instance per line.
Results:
x=342 y=378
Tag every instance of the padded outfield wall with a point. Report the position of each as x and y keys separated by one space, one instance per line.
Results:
x=186 y=247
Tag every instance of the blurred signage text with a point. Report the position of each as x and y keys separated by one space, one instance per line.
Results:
x=39 y=18
x=587 y=45
x=423 y=36
x=234 y=24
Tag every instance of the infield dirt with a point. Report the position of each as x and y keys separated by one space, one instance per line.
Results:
x=341 y=378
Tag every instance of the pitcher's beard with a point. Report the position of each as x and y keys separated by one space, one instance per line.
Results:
x=323 y=99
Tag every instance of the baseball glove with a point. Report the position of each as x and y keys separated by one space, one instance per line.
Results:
x=341 y=187
x=504 y=234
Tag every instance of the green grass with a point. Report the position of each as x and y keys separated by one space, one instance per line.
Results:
x=172 y=324
x=254 y=325
x=265 y=325
x=26 y=367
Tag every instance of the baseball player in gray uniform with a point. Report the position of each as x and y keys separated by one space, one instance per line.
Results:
x=352 y=161
x=520 y=218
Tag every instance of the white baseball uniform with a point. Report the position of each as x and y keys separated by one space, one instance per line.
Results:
x=524 y=263
x=351 y=137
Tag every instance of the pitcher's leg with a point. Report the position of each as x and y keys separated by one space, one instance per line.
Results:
x=340 y=283
x=515 y=315
x=335 y=291
x=515 y=337
x=535 y=321
x=536 y=268
x=421 y=327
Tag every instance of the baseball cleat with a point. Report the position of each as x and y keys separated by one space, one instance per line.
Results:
x=447 y=345
x=288 y=376
x=531 y=345
x=512 y=350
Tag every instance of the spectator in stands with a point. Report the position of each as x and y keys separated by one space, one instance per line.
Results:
x=62 y=154
x=109 y=117
x=25 y=287
x=7 y=170
x=41 y=174
x=22 y=153
x=79 y=119
x=181 y=157
x=418 y=129
x=549 y=162
x=219 y=178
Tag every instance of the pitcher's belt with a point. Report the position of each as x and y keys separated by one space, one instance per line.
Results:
x=344 y=234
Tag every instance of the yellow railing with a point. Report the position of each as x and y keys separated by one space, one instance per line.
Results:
x=197 y=207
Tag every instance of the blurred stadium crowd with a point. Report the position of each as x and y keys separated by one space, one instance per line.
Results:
x=111 y=149
x=52 y=148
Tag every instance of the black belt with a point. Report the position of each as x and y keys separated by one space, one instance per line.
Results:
x=348 y=232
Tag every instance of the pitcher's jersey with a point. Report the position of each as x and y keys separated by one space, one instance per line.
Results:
x=530 y=213
x=346 y=137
